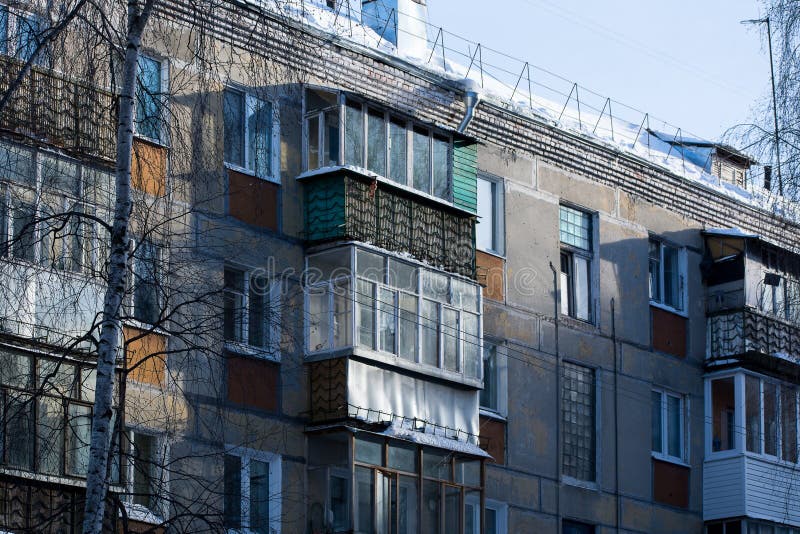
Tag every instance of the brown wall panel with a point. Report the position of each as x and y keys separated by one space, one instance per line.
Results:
x=253 y=383
x=669 y=332
x=491 y=275
x=493 y=438
x=145 y=356
x=149 y=168
x=670 y=484
x=253 y=200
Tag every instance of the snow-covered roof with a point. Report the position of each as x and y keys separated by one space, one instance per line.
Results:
x=730 y=232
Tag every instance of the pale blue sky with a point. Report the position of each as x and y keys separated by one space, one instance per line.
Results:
x=690 y=63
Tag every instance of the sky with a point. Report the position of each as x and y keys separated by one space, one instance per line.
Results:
x=689 y=63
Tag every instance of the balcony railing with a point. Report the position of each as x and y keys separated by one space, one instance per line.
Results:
x=56 y=110
x=746 y=330
x=345 y=205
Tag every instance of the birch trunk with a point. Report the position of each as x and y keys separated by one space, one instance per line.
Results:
x=109 y=347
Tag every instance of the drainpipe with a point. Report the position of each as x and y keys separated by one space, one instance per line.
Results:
x=556 y=311
x=472 y=96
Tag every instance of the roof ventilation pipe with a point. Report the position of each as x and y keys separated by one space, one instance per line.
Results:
x=472 y=95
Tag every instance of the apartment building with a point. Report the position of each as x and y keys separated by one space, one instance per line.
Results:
x=369 y=297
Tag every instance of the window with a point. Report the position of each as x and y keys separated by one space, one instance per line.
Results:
x=578 y=422
x=30 y=36
x=575 y=228
x=489 y=232
x=667 y=279
x=771 y=418
x=147 y=289
x=150 y=96
x=668 y=427
x=251 y=127
x=374 y=139
x=144 y=468
x=496 y=516
x=575 y=527
x=723 y=414
x=493 y=395
x=252 y=485
x=392 y=306
x=249 y=308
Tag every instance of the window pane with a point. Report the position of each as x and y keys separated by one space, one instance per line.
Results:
x=468 y=472
x=491 y=522
x=789 y=423
x=148 y=98
x=407 y=505
x=452 y=509
x=578 y=422
x=435 y=286
x=259 y=496
x=484 y=229
x=471 y=342
x=450 y=328
x=328 y=265
x=464 y=295
x=398 y=159
x=257 y=311
x=654 y=268
x=752 y=391
x=581 y=285
x=369 y=451
x=78 y=437
x=3 y=29
x=146 y=264
x=233 y=111
x=312 y=123
x=441 y=182
x=331 y=147
x=488 y=395
x=29 y=30
x=354 y=136
x=402 y=275
x=566 y=289
x=671 y=277
x=723 y=421
x=233 y=304
x=56 y=376
x=575 y=228
x=403 y=457
x=408 y=326
x=656 y=421
x=233 y=491
x=259 y=136
x=340 y=502
x=342 y=316
x=144 y=455
x=430 y=333
x=431 y=507
x=24 y=234
x=365 y=500
x=376 y=143
x=370 y=265
x=422 y=161
x=770 y=419
x=386 y=319
x=50 y=433
x=16 y=370
x=365 y=311
x=319 y=319
x=19 y=424
x=437 y=464
x=674 y=426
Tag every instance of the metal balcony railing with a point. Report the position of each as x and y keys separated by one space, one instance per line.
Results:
x=746 y=330
x=54 y=109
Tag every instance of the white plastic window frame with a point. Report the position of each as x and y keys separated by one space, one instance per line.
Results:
x=497 y=201
x=246 y=455
x=275 y=138
x=163 y=129
x=501 y=378
x=159 y=472
x=272 y=317
x=682 y=278
x=765 y=381
x=664 y=453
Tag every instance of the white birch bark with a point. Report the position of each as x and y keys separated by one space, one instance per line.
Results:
x=109 y=348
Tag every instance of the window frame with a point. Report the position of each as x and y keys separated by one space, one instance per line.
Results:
x=500 y=378
x=158 y=474
x=157 y=283
x=572 y=254
x=274 y=461
x=274 y=142
x=682 y=278
x=497 y=201
x=161 y=100
x=270 y=350
x=664 y=454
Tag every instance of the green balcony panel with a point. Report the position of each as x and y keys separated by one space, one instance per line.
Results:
x=465 y=175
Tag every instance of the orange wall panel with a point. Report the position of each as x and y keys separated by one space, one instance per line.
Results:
x=253 y=383
x=491 y=275
x=670 y=484
x=252 y=200
x=149 y=168
x=145 y=356
x=493 y=438
x=669 y=332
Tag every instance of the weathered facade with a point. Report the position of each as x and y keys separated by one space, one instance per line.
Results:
x=363 y=303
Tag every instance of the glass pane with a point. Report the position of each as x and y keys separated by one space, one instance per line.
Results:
x=468 y=472
x=436 y=464
x=575 y=227
x=50 y=433
x=342 y=315
x=148 y=98
x=752 y=393
x=354 y=136
x=654 y=270
x=259 y=496
x=233 y=491
x=655 y=418
x=472 y=344
x=434 y=286
x=491 y=522
x=257 y=311
x=403 y=457
x=723 y=408
x=233 y=112
x=146 y=306
x=16 y=370
x=789 y=423
x=370 y=265
x=398 y=159
x=450 y=328
x=369 y=451
x=407 y=505
x=376 y=143
x=365 y=500
x=441 y=181
x=78 y=438
x=671 y=277
x=59 y=174
x=578 y=422
x=581 y=286
x=674 y=426
x=422 y=161
x=431 y=507
x=408 y=327
x=340 y=502
x=484 y=229
x=144 y=456
x=88 y=379
x=387 y=319
x=16 y=165
x=24 y=231
x=770 y=419
x=259 y=136
x=488 y=395
x=402 y=275
x=464 y=294
x=328 y=265
x=365 y=312
x=29 y=29
x=430 y=333
x=331 y=147
x=312 y=124
x=318 y=319
x=452 y=509
x=19 y=424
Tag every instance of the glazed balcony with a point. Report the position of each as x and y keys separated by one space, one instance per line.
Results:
x=54 y=109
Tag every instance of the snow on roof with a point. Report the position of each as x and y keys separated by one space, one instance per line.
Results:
x=730 y=232
x=617 y=134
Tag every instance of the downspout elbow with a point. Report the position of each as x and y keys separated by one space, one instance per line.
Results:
x=472 y=97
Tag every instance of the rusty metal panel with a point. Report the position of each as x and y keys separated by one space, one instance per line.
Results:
x=669 y=332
